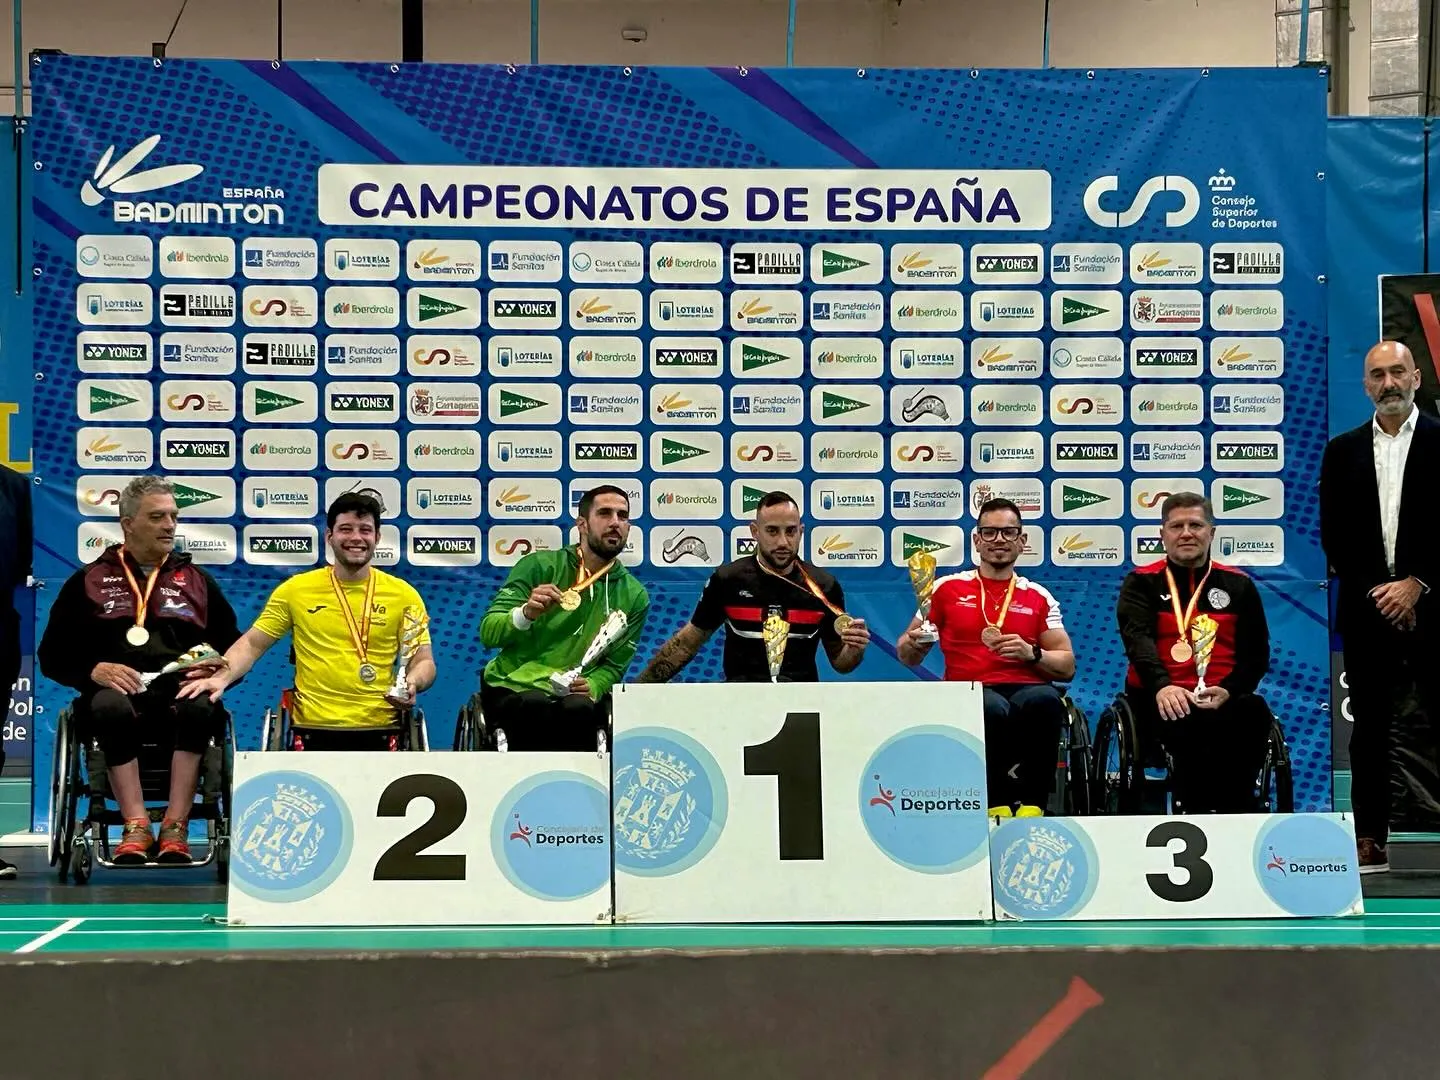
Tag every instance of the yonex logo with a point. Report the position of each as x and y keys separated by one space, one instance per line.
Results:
x=120 y=177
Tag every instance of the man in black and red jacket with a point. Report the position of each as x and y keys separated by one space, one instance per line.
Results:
x=1215 y=737
x=133 y=610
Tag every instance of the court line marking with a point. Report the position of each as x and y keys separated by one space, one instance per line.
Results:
x=49 y=936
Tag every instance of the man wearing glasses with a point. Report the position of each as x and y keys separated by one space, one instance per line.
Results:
x=1005 y=632
x=1198 y=643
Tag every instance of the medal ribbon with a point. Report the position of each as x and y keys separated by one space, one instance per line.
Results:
x=810 y=585
x=583 y=580
x=142 y=600
x=999 y=623
x=359 y=634
x=1184 y=620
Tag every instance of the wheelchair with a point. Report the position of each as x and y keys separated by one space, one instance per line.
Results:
x=472 y=733
x=280 y=732
x=77 y=771
x=1131 y=778
x=1073 y=765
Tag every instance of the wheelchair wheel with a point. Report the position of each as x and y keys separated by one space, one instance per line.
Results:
x=273 y=735
x=470 y=727
x=1079 y=785
x=60 y=825
x=1277 y=783
x=81 y=859
x=1117 y=770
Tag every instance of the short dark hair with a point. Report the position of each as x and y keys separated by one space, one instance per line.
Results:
x=353 y=502
x=587 y=501
x=1184 y=500
x=989 y=506
x=774 y=498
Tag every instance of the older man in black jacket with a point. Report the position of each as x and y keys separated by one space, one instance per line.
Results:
x=1378 y=524
x=16 y=541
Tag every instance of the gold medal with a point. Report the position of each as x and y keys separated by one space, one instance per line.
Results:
x=810 y=587
x=1181 y=652
x=990 y=635
x=842 y=623
x=137 y=635
x=569 y=599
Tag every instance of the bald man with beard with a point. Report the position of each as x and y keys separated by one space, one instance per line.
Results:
x=1380 y=528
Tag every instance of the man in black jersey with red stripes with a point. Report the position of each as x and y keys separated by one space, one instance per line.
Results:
x=1188 y=609
x=742 y=594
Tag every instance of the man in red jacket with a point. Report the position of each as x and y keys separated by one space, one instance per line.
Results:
x=1216 y=736
x=132 y=611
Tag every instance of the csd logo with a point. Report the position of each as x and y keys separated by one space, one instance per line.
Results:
x=752 y=453
x=273 y=306
x=1123 y=219
x=192 y=402
x=519 y=544
x=345 y=453
x=432 y=356
x=1073 y=405
x=916 y=453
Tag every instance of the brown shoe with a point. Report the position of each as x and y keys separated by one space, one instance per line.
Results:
x=135 y=843
x=1372 y=857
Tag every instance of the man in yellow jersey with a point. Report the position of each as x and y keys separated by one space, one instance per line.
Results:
x=347 y=621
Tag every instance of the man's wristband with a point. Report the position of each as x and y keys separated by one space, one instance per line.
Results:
x=518 y=619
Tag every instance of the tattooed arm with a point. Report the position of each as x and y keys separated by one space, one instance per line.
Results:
x=675 y=654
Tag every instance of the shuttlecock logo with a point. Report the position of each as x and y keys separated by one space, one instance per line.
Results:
x=120 y=178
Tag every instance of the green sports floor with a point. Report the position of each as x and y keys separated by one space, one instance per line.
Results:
x=122 y=913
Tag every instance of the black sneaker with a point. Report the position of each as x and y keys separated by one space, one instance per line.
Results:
x=7 y=870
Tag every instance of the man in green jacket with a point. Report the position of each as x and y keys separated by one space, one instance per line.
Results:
x=543 y=620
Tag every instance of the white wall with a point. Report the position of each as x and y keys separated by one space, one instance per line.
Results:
x=860 y=33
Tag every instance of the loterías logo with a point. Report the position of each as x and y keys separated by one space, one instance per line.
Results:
x=122 y=179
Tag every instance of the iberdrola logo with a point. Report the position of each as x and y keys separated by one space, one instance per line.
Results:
x=120 y=177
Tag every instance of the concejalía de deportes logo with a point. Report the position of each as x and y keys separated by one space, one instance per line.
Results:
x=922 y=799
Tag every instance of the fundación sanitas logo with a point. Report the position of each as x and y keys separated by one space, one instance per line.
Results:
x=551 y=836
x=293 y=836
x=119 y=176
x=922 y=799
x=670 y=803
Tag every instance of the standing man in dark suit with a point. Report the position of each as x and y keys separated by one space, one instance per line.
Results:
x=1380 y=528
x=16 y=535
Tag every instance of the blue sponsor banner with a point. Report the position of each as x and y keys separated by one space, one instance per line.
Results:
x=1076 y=290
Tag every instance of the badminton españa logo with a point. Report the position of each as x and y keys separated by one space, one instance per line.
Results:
x=551 y=836
x=1306 y=864
x=292 y=837
x=670 y=802
x=922 y=799
x=120 y=178
x=1042 y=868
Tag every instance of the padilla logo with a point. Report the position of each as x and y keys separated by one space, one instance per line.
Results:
x=121 y=178
x=1073 y=311
x=752 y=357
x=832 y=404
x=833 y=263
x=673 y=451
x=914 y=545
x=1074 y=498
x=512 y=404
x=1237 y=498
x=102 y=400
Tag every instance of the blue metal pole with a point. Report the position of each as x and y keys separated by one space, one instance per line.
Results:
x=535 y=31
x=1304 y=31
x=790 y=37
x=19 y=63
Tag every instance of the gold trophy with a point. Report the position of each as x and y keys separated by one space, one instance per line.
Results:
x=1202 y=632
x=412 y=627
x=611 y=631
x=776 y=632
x=201 y=655
x=922 y=580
